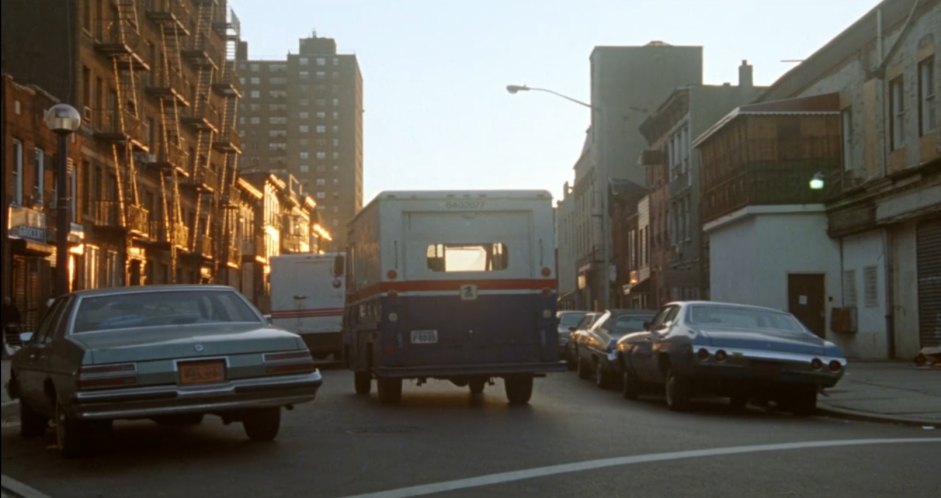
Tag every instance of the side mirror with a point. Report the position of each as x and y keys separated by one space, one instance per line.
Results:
x=267 y=318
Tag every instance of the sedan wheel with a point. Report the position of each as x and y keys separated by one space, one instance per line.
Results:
x=32 y=424
x=678 y=391
x=583 y=369
x=71 y=434
x=602 y=379
x=362 y=382
x=262 y=424
x=630 y=385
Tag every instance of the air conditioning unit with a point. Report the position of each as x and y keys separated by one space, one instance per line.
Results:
x=843 y=320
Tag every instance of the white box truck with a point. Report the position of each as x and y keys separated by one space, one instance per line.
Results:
x=308 y=295
x=454 y=285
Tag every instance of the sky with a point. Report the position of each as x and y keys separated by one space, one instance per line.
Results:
x=437 y=113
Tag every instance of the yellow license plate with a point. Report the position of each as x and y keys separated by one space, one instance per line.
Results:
x=202 y=372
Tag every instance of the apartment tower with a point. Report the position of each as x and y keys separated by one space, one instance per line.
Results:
x=303 y=116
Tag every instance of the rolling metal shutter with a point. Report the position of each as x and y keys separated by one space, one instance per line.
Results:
x=929 y=283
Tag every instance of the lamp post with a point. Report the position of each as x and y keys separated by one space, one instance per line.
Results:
x=601 y=182
x=62 y=119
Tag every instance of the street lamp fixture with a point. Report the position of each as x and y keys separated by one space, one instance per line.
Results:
x=817 y=182
x=602 y=182
x=63 y=120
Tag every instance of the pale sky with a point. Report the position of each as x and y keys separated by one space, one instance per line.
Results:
x=437 y=113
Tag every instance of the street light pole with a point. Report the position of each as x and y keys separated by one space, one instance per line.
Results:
x=601 y=181
x=62 y=119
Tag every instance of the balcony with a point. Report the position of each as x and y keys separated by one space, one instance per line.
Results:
x=119 y=124
x=103 y=214
x=252 y=247
x=228 y=140
x=232 y=198
x=157 y=232
x=181 y=235
x=137 y=222
x=167 y=84
x=294 y=242
x=27 y=223
x=204 y=179
x=168 y=12
x=232 y=256
x=204 y=246
x=227 y=81
x=169 y=157
x=764 y=183
x=120 y=38
x=202 y=117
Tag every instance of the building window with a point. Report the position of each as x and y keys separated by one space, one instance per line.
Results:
x=927 y=103
x=303 y=168
x=303 y=115
x=846 y=130
x=303 y=61
x=321 y=129
x=255 y=120
x=254 y=94
x=321 y=61
x=18 y=172
x=321 y=182
x=91 y=267
x=303 y=155
x=39 y=178
x=849 y=288
x=255 y=80
x=304 y=74
x=321 y=155
x=303 y=129
x=896 y=113
x=871 y=290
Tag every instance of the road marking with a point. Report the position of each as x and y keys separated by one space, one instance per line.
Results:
x=519 y=475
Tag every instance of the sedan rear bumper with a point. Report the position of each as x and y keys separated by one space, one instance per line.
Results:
x=152 y=401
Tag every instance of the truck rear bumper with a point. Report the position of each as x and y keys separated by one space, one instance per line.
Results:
x=487 y=370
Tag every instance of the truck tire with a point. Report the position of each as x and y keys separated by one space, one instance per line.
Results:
x=389 y=389
x=362 y=382
x=519 y=388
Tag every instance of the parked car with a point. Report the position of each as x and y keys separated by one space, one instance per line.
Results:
x=567 y=319
x=733 y=350
x=171 y=353
x=570 y=353
x=595 y=345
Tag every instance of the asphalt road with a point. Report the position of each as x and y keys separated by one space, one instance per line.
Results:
x=572 y=440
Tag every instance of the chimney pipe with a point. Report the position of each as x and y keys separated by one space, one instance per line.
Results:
x=745 y=75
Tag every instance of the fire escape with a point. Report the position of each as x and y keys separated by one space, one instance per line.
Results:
x=119 y=122
x=203 y=119
x=168 y=87
x=227 y=144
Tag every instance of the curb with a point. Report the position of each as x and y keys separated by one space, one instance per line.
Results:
x=13 y=488
x=848 y=414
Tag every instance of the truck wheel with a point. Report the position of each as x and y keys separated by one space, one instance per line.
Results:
x=519 y=388
x=390 y=390
x=362 y=381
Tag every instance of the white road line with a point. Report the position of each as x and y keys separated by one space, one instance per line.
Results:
x=519 y=475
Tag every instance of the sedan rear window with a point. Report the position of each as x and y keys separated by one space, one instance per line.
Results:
x=742 y=318
x=154 y=309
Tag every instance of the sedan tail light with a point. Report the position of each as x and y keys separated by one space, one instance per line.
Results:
x=289 y=362
x=106 y=376
x=703 y=354
x=721 y=355
x=835 y=366
x=816 y=364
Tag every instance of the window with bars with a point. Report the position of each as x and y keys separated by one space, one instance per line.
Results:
x=871 y=290
x=896 y=113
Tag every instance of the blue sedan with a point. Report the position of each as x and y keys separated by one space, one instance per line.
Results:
x=738 y=351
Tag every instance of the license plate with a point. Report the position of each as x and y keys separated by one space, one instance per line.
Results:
x=766 y=370
x=202 y=372
x=424 y=336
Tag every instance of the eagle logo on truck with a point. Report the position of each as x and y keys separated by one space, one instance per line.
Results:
x=468 y=292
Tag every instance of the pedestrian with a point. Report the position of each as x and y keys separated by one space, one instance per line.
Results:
x=11 y=323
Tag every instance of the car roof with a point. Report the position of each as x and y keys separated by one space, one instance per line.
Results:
x=727 y=305
x=142 y=289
